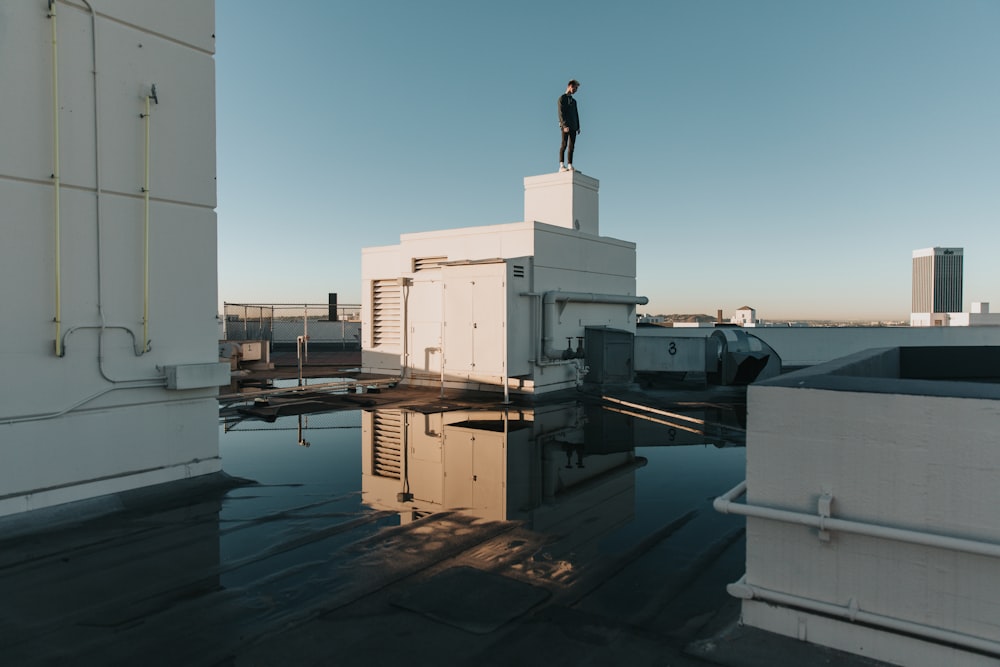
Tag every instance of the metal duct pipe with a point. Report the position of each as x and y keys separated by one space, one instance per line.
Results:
x=56 y=180
x=550 y=301
x=725 y=505
x=145 y=225
x=745 y=591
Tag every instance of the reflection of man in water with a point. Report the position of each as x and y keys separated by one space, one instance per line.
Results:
x=571 y=449
x=569 y=124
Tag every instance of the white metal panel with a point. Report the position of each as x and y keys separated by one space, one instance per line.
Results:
x=475 y=318
x=669 y=354
x=425 y=463
x=458 y=491
x=523 y=325
x=188 y=21
x=475 y=471
x=182 y=137
x=182 y=124
x=600 y=256
x=26 y=67
x=424 y=318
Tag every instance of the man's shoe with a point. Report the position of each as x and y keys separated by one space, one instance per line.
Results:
x=562 y=167
x=569 y=167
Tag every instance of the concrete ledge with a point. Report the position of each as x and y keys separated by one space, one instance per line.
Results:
x=905 y=370
x=96 y=497
x=856 y=638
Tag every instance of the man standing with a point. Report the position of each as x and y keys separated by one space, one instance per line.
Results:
x=569 y=124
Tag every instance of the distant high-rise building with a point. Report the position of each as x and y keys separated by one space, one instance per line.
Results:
x=937 y=283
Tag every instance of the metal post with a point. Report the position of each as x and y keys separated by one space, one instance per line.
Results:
x=298 y=350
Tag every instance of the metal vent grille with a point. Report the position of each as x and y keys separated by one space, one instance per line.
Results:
x=387 y=443
x=422 y=263
x=385 y=312
x=518 y=271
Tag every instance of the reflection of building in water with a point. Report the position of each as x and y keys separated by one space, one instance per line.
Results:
x=532 y=464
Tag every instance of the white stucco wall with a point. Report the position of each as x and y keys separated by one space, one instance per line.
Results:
x=912 y=458
x=71 y=428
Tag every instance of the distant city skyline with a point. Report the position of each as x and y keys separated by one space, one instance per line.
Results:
x=780 y=154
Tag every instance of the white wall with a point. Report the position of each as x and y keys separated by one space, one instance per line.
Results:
x=565 y=199
x=66 y=431
x=905 y=459
x=808 y=346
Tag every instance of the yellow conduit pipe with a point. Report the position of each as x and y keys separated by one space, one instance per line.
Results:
x=56 y=178
x=145 y=228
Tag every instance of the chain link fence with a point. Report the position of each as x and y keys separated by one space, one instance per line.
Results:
x=281 y=324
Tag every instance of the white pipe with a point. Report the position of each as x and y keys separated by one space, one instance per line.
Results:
x=72 y=408
x=305 y=327
x=98 y=213
x=145 y=235
x=506 y=354
x=299 y=341
x=725 y=505
x=406 y=327
x=441 y=339
x=56 y=180
x=655 y=420
x=549 y=315
x=103 y=327
x=745 y=591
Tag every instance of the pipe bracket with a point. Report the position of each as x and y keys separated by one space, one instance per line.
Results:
x=824 y=508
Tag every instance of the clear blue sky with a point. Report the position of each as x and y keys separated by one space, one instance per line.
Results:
x=782 y=154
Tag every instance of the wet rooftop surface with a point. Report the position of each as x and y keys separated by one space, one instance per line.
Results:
x=419 y=531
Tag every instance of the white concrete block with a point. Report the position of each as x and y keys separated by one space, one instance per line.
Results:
x=565 y=199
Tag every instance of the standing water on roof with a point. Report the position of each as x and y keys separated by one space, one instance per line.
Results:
x=390 y=533
x=558 y=496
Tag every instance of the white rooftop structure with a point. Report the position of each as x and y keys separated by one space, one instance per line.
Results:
x=870 y=494
x=503 y=307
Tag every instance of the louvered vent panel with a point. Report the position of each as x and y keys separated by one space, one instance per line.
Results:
x=387 y=443
x=518 y=271
x=422 y=263
x=385 y=312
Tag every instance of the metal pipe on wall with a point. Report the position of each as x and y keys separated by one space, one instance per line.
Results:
x=404 y=299
x=99 y=218
x=745 y=591
x=145 y=225
x=552 y=298
x=20 y=419
x=537 y=330
x=56 y=179
x=61 y=337
x=506 y=354
x=305 y=327
x=725 y=505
